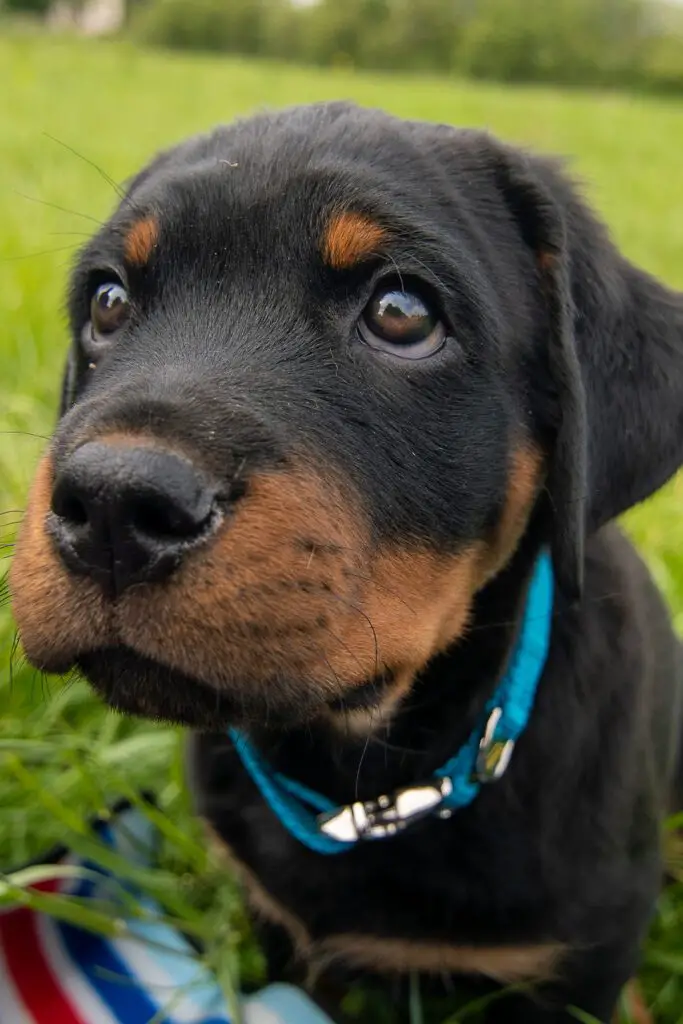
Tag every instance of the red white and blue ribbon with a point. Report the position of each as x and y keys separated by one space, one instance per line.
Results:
x=52 y=972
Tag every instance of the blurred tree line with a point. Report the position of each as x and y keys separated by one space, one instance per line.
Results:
x=567 y=42
x=633 y=43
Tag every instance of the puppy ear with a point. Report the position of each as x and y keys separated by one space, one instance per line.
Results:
x=540 y=220
x=615 y=356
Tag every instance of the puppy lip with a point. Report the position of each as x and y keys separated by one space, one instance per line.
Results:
x=364 y=697
x=137 y=684
x=55 y=664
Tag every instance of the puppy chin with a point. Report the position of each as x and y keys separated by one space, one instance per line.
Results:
x=136 y=685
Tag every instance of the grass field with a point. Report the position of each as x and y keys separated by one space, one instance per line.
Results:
x=62 y=756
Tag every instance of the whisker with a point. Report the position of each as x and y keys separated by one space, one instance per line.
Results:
x=430 y=273
x=81 y=156
x=25 y=433
x=390 y=259
x=336 y=677
x=56 y=206
x=394 y=748
x=41 y=252
x=556 y=615
x=380 y=586
x=12 y=656
x=345 y=646
x=360 y=765
x=360 y=611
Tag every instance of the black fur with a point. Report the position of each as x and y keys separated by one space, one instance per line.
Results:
x=243 y=336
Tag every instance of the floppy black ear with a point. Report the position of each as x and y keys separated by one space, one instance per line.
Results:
x=615 y=355
x=541 y=221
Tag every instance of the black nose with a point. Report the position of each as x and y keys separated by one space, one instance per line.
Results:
x=129 y=515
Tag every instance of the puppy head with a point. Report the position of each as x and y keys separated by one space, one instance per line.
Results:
x=327 y=367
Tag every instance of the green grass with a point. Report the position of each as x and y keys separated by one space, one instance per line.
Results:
x=62 y=756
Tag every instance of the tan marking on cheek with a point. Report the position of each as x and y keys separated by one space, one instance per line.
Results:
x=140 y=241
x=349 y=238
x=524 y=483
x=504 y=964
x=418 y=602
x=442 y=589
x=58 y=615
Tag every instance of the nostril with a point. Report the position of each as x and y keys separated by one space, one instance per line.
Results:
x=70 y=508
x=161 y=519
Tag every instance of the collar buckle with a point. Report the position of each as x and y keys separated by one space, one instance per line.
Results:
x=387 y=815
x=494 y=754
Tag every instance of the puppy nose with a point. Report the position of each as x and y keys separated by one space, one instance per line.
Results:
x=129 y=515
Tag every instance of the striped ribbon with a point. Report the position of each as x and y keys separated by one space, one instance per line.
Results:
x=52 y=972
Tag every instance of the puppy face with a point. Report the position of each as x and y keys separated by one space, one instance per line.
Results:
x=308 y=413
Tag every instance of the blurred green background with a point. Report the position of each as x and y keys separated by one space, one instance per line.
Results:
x=71 y=104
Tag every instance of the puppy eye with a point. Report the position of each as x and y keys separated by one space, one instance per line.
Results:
x=109 y=309
x=401 y=322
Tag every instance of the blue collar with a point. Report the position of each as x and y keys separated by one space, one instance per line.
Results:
x=326 y=828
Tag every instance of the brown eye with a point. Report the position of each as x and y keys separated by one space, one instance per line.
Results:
x=402 y=323
x=109 y=310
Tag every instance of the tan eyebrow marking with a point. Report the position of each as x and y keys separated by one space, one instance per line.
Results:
x=140 y=241
x=349 y=237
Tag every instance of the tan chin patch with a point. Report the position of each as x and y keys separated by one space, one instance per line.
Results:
x=57 y=614
x=350 y=238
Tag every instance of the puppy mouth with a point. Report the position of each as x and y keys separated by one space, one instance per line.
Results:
x=135 y=684
x=366 y=697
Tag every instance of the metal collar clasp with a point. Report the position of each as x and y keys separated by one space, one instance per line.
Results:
x=387 y=815
x=494 y=755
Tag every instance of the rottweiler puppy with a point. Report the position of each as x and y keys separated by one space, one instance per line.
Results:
x=350 y=404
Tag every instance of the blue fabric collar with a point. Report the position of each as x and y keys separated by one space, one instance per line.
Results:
x=329 y=829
